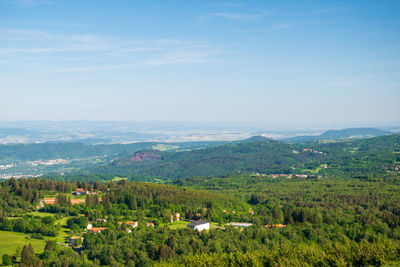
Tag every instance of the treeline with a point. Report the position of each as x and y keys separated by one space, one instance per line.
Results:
x=39 y=226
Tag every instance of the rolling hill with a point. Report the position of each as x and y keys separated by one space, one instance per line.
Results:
x=349 y=133
x=265 y=156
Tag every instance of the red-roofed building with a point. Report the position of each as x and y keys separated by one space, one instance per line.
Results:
x=77 y=201
x=49 y=201
x=279 y=225
x=79 y=191
x=97 y=229
x=132 y=224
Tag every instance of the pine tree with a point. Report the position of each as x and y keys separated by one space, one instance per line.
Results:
x=27 y=256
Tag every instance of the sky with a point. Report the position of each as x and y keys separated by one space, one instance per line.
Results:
x=237 y=61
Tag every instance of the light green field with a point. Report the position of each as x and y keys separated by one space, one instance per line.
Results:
x=40 y=214
x=116 y=178
x=10 y=241
x=315 y=171
x=63 y=234
x=164 y=147
x=178 y=224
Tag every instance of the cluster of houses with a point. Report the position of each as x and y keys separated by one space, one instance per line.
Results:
x=74 y=201
x=392 y=169
x=81 y=191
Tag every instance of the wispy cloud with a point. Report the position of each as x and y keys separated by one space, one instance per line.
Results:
x=30 y=3
x=228 y=4
x=26 y=44
x=23 y=35
x=94 y=68
x=239 y=16
x=322 y=11
x=279 y=26
x=275 y=27
x=184 y=57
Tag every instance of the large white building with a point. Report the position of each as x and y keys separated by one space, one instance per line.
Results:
x=199 y=225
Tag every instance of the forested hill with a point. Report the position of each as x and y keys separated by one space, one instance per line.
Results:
x=44 y=151
x=265 y=156
x=346 y=157
x=349 y=133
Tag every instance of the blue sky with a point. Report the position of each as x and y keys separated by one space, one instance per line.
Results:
x=292 y=61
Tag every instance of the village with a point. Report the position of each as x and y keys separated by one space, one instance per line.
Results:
x=95 y=226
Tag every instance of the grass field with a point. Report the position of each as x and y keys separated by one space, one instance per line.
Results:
x=64 y=232
x=178 y=224
x=10 y=241
x=40 y=214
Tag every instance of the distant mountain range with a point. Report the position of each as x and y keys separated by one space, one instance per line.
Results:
x=349 y=133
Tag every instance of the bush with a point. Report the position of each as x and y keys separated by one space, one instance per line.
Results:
x=6 y=259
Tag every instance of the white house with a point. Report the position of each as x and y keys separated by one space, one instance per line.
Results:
x=89 y=226
x=199 y=225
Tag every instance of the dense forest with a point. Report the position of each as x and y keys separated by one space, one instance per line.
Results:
x=327 y=221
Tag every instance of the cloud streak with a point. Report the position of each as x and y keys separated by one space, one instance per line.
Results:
x=30 y=3
x=26 y=45
x=239 y=16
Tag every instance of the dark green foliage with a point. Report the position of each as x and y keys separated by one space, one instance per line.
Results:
x=28 y=258
x=6 y=259
x=79 y=222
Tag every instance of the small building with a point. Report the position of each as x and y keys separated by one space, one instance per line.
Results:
x=77 y=201
x=49 y=201
x=101 y=220
x=236 y=224
x=199 y=225
x=177 y=216
x=78 y=192
x=132 y=224
x=89 y=226
x=150 y=224
x=97 y=229
x=279 y=225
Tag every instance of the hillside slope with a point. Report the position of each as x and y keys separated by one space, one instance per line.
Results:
x=260 y=156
